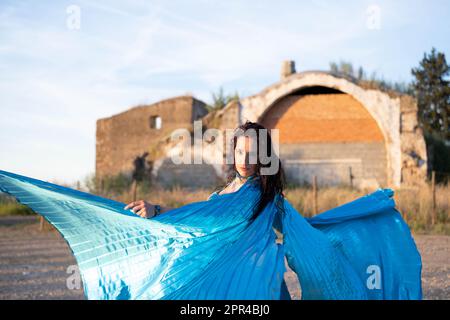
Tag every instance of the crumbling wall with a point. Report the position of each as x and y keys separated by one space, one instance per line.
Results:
x=413 y=148
x=124 y=136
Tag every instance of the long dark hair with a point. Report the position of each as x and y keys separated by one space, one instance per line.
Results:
x=271 y=184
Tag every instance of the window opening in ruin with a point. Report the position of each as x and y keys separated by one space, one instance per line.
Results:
x=155 y=122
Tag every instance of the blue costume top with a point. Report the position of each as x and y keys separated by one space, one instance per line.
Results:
x=212 y=249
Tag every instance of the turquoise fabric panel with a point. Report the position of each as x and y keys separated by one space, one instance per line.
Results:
x=212 y=250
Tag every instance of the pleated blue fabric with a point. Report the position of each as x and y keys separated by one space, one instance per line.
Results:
x=212 y=249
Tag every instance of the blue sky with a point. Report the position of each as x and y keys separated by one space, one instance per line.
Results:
x=56 y=80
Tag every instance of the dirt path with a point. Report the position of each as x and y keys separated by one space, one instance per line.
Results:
x=34 y=264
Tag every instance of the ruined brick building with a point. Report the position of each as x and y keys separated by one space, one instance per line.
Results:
x=329 y=127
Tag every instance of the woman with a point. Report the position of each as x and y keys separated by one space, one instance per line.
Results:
x=226 y=247
x=243 y=144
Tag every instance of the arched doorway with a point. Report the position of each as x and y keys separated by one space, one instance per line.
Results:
x=328 y=133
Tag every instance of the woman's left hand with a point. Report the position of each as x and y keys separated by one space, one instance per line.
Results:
x=142 y=208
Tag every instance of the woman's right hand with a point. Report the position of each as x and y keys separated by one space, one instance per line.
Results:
x=142 y=208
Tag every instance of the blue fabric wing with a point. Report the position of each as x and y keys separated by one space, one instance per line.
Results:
x=212 y=250
x=365 y=241
x=204 y=250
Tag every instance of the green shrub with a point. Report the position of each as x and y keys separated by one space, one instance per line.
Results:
x=9 y=207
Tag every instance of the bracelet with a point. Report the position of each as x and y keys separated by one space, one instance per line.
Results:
x=157 y=210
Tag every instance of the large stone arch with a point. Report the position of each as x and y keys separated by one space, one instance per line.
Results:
x=384 y=109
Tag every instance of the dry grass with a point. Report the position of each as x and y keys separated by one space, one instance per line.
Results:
x=327 y=198
x=174 y=197
x=415 y=205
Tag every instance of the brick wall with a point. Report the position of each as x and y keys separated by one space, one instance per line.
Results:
x=124 y=136
x=187 y=175
x=324 y=135
x=322 y=117
x=330 y=162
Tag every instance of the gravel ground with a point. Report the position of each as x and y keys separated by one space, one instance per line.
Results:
x=34 y=264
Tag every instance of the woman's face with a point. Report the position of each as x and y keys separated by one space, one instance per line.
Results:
x=245 y=145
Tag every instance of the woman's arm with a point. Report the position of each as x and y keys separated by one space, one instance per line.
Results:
x=145 y=209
